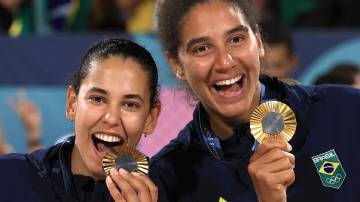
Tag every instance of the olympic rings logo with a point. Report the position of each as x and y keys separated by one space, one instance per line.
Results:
x=334 y=179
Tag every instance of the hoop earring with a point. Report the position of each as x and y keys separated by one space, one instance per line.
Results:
x=179 y=73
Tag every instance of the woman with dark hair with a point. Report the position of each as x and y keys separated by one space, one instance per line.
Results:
x=112 y=100
x=215 y=47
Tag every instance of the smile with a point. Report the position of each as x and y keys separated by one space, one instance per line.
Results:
x=229 y=87
x=229 y=81
x=107 y=138
x=104 y=142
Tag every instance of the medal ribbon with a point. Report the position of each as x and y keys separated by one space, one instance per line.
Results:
x=212 y=141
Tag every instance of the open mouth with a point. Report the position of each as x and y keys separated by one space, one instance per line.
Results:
x=104 y=142
x=229 y=87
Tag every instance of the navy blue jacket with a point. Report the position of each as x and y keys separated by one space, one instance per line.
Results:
x=45 y=175
x=328 y=118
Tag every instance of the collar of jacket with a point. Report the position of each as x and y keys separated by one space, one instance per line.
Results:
x=53 y=167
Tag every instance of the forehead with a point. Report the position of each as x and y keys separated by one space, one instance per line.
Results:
x=209 y=16
x=117 y=73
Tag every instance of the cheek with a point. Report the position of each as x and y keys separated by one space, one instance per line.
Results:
x=198 y=70
x=86 y=116
x=134 y=123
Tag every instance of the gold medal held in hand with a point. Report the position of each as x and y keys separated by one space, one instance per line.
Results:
x=127 y=158
x=273 y=120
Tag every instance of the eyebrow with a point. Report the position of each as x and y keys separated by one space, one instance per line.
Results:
x=98 y=90
x=127 y=96
x=194 y=41
x=240 y=28
x=134 y=96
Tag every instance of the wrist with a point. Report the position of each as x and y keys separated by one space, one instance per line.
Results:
x=34 y=142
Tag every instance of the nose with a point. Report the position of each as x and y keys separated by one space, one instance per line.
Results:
x=112 y=116
x=224 y=60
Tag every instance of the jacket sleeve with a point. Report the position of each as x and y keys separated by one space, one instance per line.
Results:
x=163 y=177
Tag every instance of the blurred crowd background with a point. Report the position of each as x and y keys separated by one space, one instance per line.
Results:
x=41 y=42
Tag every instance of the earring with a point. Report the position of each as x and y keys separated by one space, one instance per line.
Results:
x=179 y=73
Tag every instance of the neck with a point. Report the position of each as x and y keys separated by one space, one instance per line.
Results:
x=223 y=127
x=76 y=162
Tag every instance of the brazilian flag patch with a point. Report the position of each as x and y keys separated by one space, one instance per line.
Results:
x=329 y=168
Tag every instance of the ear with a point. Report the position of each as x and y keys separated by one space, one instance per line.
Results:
x=152 y=119
x=71 y=103
x=177 y=69
x=259 y=42
x=293 y=61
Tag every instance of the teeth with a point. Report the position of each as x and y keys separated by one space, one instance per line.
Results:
x=229 y=81
x=107 y=138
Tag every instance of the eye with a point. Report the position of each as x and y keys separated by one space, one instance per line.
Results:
x=236 y=40
x=201 y=50
x=96 y=99
x=131 y=105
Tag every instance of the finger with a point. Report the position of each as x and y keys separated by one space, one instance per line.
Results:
x=151 y=186
x=274 y=155
x=277 y=166
x=285 y=177
x=140 y=187
x=114 y=190
x=126 y=189
x=269 y=144
x=21 y=95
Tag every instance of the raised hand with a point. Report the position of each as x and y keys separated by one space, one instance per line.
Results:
x=271 y=170
x=30 y=117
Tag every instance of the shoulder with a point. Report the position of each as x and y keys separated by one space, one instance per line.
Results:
x=12 y=160
x=332 y=94
x=176 y=146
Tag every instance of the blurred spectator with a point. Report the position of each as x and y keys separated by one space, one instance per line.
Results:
x=133 y=16
x=46 y=16
x=345 y=74
x=68 y=15
x=30 y=117
x=290 y=10
x=331 y=14
x=8 y=10
x=280 y=55
x=268 y=11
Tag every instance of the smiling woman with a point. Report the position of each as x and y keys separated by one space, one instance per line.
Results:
x=215 y=48
x=112 y=100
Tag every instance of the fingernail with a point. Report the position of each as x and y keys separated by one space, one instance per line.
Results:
x=114 y=171
x=108 y=179
x=122 y=171
x=135 y=173
x=289 y=147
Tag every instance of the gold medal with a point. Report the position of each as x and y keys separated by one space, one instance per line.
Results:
x=127 y=158
x=273 y=120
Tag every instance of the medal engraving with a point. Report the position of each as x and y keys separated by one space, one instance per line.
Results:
x=127 y=158
x=273 y=119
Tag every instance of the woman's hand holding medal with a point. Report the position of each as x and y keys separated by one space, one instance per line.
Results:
x=131 y=186
x=271 y=167
x=271 y=170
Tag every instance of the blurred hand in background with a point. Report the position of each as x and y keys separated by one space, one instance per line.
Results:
x=29 y=116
